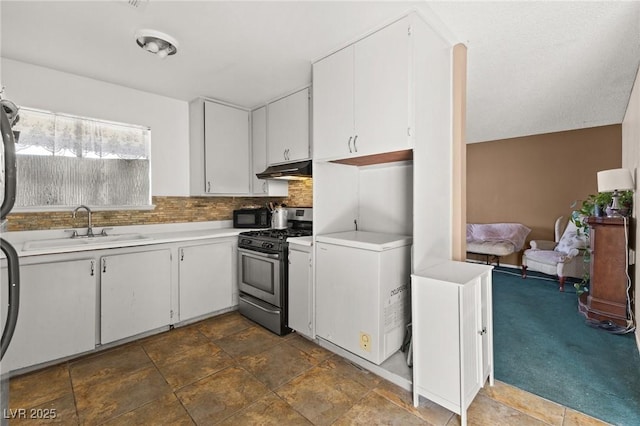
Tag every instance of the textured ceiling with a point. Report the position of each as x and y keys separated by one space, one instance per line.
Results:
x=533 y=67
x=539 y=67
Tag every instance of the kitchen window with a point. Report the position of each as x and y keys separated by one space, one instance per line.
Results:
x=66 y=160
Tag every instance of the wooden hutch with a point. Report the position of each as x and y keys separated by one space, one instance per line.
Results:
x=609 y=286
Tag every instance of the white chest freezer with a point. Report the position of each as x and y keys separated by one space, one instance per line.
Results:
x=362 y=291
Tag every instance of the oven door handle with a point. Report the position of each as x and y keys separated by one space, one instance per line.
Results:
x=259 y=254
x=255 y=305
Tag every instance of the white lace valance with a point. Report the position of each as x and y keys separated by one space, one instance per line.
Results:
x=46 y=133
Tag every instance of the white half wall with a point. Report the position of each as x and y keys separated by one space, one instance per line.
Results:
x=433 y=151
x=44 y=88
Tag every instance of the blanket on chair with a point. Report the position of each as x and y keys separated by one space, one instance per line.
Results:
x=515 y=233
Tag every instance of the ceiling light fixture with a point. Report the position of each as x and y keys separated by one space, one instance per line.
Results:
x=156 y=42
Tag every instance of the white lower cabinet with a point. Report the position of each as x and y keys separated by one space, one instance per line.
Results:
x=135 y=293
x=301 y=290
x=57 y=314
x=452 y=334
x=206 y=278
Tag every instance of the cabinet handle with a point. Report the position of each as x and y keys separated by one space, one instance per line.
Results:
x=208 y=186
x=264 y=187
x=483 y=332
x=288 y=157
x=355 y=147
x=93 y=268
x=349 y=143
x=181 y=255
x=284 y=154
x=104 y=265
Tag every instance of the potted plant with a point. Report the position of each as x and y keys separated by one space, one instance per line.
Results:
x=626 y=202
x=597 y=204
x=593 y=205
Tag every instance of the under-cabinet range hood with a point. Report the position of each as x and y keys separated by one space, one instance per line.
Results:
x=288 y=171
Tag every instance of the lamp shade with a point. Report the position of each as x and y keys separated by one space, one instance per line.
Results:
x=610 y=180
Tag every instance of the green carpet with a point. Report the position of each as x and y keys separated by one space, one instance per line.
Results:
x=542 y=345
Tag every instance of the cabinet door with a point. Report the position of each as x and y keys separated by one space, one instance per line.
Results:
x=206 y=279
x=486 y=323
x=381 y=93
x=471 y=338
x=57 y=315
x=288 y=128
x=300 y=292
x=226 y=149
x=436 y=324
x=259 y=155
x=136 y=293
x=333 y=105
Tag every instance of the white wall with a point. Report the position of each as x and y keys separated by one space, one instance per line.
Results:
x=379 y=197
x=386 y=198
x=631 y=161
x=44 y=88
x=335 y=197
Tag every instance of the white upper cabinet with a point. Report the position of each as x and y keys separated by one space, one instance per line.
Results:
x=226 y=147
x=219 y=159
x=269 y=187
x=288 y=128
x=361 y=97
x=333 y=125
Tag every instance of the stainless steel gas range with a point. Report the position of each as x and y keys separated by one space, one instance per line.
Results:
x=263 y=270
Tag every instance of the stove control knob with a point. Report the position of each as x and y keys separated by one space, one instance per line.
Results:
x=245 y=241
x=267 y=245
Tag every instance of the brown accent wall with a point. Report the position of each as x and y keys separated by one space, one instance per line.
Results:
x=534 y=179
x=167 y=210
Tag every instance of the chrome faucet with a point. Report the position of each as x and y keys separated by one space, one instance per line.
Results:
x=89 y=224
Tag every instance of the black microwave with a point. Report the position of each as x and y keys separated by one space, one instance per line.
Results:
x=252 y=218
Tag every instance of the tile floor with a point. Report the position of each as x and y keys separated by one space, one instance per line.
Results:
x=228 y=371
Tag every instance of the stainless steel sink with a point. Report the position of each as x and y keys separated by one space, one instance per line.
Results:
x=81 y=241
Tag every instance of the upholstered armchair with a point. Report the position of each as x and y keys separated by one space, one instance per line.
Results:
x=563 y=257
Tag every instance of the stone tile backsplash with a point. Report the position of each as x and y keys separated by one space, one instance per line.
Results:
x=167 y=210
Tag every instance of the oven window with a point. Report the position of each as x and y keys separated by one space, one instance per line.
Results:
x=258 y=273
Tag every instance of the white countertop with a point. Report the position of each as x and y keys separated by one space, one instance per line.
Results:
x=153 y=234
x=375 y=241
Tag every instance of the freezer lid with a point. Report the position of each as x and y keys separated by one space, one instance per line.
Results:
x=375 y=241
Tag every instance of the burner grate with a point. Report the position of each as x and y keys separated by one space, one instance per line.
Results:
x=278 y=234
